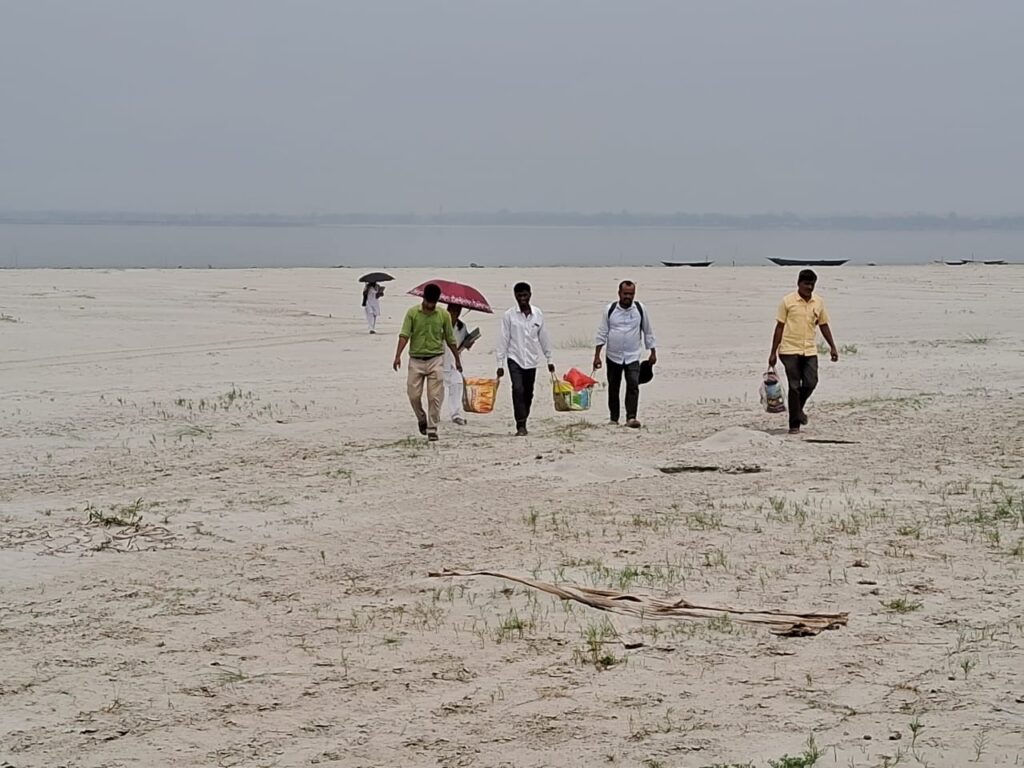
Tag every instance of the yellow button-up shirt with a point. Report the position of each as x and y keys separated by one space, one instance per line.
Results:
x=801 y=320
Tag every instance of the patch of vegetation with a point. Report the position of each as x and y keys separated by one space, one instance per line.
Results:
x=716 y=558
x=723 y=624
x=655 y=575
x=844 y=349
x=704 y=521
x=234 y=397
x=341 y=473
x=123 y=515
x=593 y=651
x=1007 y=509
x=571 y=431
x=913 y=531
x=811 y=755
x=194 y=430
x=512 y=627
x=408 y=443
x=901 y=605
x=916 y=402
x=531 y=518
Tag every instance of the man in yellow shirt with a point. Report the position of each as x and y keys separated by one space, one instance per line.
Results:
x=795 y=342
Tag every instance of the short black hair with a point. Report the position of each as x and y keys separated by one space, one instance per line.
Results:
x=807 y=276
x=431 y=293
x=521 y=288
x=627 y=284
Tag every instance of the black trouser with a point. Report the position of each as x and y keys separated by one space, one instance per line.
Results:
x=523 y=380
x=802 y=374
x=615 y=371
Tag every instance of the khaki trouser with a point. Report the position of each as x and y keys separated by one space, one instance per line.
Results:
x=429 y=372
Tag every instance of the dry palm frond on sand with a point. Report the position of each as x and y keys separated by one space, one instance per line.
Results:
x=651 y=607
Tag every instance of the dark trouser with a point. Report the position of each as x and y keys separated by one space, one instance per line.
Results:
x=615 y=371
x=802 y=374
x=523 y=380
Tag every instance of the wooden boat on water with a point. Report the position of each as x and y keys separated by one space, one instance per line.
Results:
x=807 y=262
x=987 y=262
x=673 y=263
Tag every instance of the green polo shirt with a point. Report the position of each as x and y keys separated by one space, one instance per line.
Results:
x=427 y=332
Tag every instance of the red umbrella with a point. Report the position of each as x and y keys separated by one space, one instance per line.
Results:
x=457 y=293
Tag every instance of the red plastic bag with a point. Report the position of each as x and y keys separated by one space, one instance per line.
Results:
x=578 y=379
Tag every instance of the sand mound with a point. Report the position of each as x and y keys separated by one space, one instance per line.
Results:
x=733 y=438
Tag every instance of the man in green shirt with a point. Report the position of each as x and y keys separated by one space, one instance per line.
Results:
x=427 y=330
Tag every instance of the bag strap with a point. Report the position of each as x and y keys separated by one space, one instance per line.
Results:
x=639 y=306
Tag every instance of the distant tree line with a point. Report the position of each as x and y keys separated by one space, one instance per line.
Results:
x=763 y=221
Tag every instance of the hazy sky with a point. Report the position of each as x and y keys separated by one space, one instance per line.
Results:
x=303 y=105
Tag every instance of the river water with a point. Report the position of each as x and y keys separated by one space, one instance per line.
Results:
x=126 y=246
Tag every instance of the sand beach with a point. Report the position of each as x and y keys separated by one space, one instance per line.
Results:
x=217 y=522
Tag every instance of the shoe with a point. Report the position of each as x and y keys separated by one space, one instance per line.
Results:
x=521 y=432
x=372 y=331
x=633 y=424
x=432 y=437
x=460 y=421
x=803 y=418
x=794 y=431
x=423 y=427
x=614 y=421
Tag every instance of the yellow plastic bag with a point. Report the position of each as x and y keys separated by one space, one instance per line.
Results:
x=478 y=395
x=561 y=393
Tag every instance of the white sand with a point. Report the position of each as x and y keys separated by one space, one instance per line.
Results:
x=274 y=608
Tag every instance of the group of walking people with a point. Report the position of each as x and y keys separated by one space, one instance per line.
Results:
x=437 y=338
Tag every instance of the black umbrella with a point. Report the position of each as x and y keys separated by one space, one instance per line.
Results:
x=376 y=277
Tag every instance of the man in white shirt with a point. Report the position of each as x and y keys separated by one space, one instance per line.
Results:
x=523 y=338
x=625 y=329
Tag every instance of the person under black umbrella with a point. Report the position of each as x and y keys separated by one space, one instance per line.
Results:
x=372 y=294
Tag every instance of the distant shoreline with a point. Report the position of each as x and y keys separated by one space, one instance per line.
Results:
x=528 y=220
x=532 y=267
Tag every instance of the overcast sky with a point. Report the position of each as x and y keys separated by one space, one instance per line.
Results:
x=327 y=105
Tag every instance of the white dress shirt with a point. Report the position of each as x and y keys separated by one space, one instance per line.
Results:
x=624 y=334
x=523 y=338
x=461 y=332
